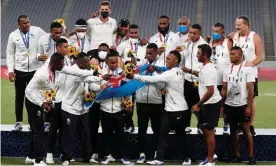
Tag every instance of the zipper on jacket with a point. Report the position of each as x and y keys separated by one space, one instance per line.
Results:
x=74 y=101
x=112 y=106
x=28 y=64
x=148 y=95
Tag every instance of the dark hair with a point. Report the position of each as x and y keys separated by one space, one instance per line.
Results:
x=219 y=25
x=105 y=3
x=82 y=55
x=164 y=16
x=81 y=22
x=133 y=26
x=60 y=41
x=206 y=49
x=152 y=46
x=56 y=57
x=237 y=48
x=196 y=26
x=55 y=25
x=103 y=45
x=21 y=16
x=177 y=55
x=245 y=19
x=112 y=53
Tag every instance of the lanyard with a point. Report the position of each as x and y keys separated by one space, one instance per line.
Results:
x=238 y=70
x=81 y=45
x=51 y=76
x=246 y=37
x=50 y=45
x=26 y=39
x=117 y=40
x=220 y=43
x=165 y=38
x=136 y=47
x=103 y=65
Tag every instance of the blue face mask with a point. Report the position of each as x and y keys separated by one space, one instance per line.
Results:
x=216 y=36
x=182 y=28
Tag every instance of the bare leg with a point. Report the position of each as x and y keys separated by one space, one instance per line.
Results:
x=211 y=143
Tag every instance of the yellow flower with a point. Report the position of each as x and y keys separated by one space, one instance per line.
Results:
x=127 y=104
x=49 y=95
x=129 y=68
x=72 y=51
x=130 y=53
x=89 y=96
x=94 y=67
x=60 y=20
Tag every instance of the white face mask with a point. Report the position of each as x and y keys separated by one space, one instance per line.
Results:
x=102 y=54
x=80 y=34
x=133 y=40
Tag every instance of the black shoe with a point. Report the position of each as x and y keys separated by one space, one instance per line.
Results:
x=236 y=159
x=252 y=130
x=251 y=161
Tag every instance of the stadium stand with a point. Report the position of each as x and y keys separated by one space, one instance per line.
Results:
x=39 y=16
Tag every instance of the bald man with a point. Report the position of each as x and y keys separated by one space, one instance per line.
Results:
x=183 y=29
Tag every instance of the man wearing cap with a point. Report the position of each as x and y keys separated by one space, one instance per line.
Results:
x=80 y=40
x=121 y=34
x=101 y=28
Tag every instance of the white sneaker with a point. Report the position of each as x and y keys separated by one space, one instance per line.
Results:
x=29 y=160
x=211 y=164
x=17 y=126
x=42 y=163
x=49 y=158
x=205 y=162
x=187 y=162
x=141 y=159
x=188 y=130
x=94 y=158
x=65 y=163
x=155 y=162
x=107 y=159
x=125 y=161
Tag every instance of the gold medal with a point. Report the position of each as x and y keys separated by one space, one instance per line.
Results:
x=183 y=47
x=28 y=53
x=164 y=45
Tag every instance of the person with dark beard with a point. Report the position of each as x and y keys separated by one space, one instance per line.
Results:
x=165 y=39
x=101 y=28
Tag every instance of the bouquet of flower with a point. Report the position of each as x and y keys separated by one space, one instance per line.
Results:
x=50 y=95
x=73 y=52
x=95 y=68
x=127 y=104
x=89 y=96
x=129 y=68
x=130 y=54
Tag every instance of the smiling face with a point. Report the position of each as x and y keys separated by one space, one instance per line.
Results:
x=241 y=26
